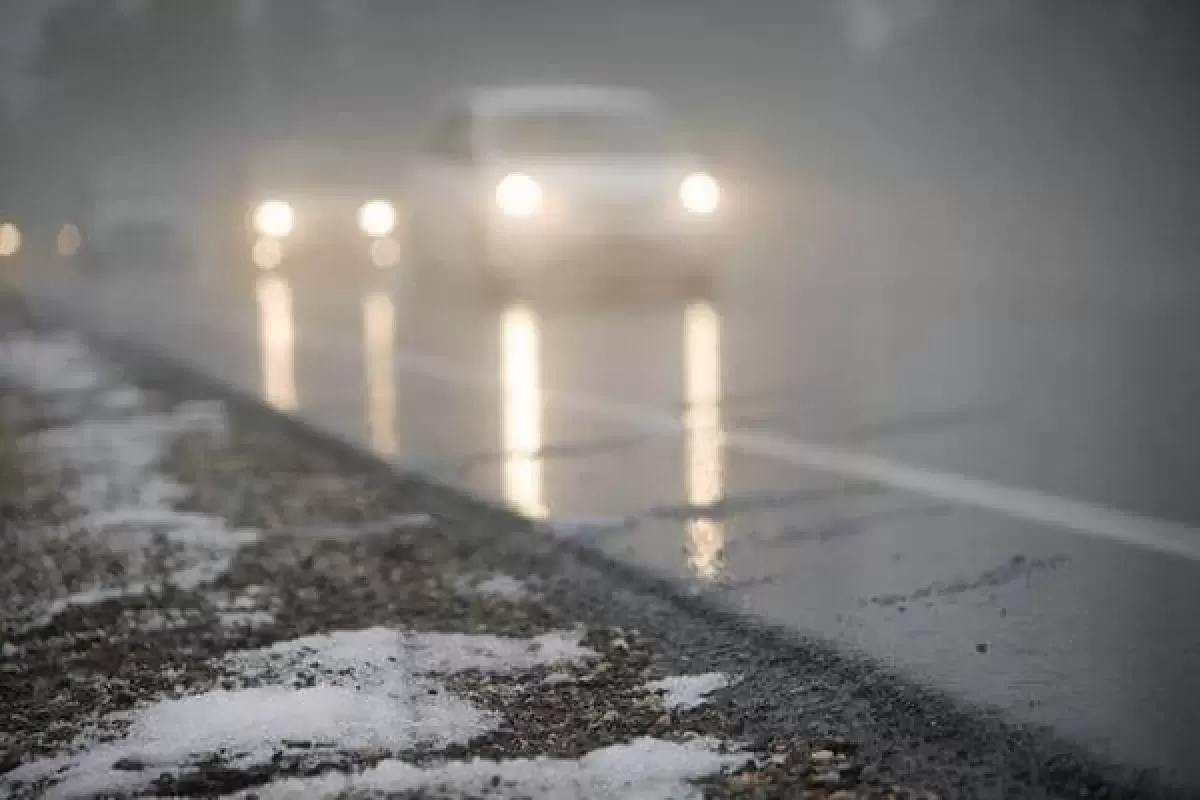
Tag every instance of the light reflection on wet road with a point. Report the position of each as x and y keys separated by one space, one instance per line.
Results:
x=379 y=342
x=702 y=420
x=692 y=417
x=277 y=341
x=522 y=415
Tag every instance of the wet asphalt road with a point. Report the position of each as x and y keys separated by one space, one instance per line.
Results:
x=847 y=439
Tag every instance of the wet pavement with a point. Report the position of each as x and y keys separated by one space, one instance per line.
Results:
x=960 y=447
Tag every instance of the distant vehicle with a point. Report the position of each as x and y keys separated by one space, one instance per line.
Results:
x=305 y=199
x=524 y=184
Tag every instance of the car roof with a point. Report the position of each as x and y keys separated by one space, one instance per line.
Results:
x=505 y=100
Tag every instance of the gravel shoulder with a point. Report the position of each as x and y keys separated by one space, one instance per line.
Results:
x=198 y=601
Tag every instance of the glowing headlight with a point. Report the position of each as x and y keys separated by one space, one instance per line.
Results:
x=10 y=240
x=519 y=196
x=274 y=218
x=377 y=218
x=700 y=193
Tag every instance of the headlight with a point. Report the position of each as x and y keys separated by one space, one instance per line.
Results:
x=10 y=240
x=700 y=193
x=274 y=218
x=377 y=218
x=519 y=196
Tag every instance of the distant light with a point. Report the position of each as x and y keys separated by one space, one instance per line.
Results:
x=377 y=218
x=69 y=240
x=275 y=218
x=700 y=193
x=10 y=240
x=519 y=196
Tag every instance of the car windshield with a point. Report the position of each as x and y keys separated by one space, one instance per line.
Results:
x=580 y=133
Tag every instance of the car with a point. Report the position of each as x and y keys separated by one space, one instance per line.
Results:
x=303 y=200
x=522 y=185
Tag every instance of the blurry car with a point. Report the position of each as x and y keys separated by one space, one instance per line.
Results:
x=307 y=200
x=526 y=184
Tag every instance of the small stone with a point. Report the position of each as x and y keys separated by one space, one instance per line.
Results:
x=129 y=765
x=830 y=778
x=620 y=645
x=779 y=759
x=982 y=647
x=611 y=715
x=822 y=756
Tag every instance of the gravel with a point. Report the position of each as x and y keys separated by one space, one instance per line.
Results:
x=536 y=670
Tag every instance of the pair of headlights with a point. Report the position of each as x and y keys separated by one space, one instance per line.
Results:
x=519 y=195
x=277 y=218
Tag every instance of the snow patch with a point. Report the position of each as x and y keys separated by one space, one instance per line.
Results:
x=498 y=586
x=126 y=504
x=372 y=688
x=684 y=692
x=377 y=652
x=246 y=619
x=48 y=365
x=122 y=398
x=644 y=769
x=558 y=678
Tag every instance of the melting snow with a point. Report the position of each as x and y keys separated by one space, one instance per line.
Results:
x=246 y=619
x=125 y=502
x=50 y=365
x=644 y=769
x=372 y=688
x=689 y=691
x=122 y=398
x=500 y=586
x=380 y=652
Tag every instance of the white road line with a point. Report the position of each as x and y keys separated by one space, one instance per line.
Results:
x=1026 y=505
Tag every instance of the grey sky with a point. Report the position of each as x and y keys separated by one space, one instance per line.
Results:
x=20 y=27
x=868 y=25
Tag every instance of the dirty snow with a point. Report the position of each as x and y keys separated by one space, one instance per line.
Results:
x=498 y=586
x=644 y=769
x=245 y=619
x=376 y=653
x=689 y=691
x=372 y=688
x=111 y=453
x=51 y=365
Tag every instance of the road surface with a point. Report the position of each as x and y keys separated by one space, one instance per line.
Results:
x=952 y=431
